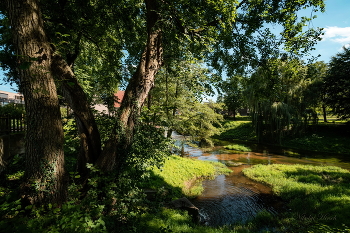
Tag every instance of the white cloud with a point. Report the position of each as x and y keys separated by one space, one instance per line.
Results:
x=337 y=34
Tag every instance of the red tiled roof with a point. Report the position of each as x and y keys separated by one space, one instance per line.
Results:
x=119 y=97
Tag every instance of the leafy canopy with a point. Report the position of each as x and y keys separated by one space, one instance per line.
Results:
x=337 y=84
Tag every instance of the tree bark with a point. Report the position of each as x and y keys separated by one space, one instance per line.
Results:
x=44 y=171
x=90 y=140
x=113 y=155
x=324 y=113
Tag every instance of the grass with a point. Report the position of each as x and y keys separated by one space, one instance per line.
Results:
x=318 y=196
x=168 y=220
x=325 y=138
x=242 y=130
x=238 y=147
x=331 y=138
x=184 y=175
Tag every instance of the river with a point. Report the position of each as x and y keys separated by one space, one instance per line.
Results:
x=235 y=198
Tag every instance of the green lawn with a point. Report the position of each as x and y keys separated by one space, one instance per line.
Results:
x=317 y=196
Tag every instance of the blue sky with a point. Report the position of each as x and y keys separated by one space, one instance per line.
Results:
x=336 y=24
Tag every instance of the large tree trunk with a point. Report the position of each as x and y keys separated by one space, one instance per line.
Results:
x=45 y=177
x=90 y=141
x=136 y=92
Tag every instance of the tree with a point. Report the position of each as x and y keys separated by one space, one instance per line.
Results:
x=315 y=94
x=182 y=108
x=233 y=94
x=337 y=84
x=44 y=138
x=276 y=96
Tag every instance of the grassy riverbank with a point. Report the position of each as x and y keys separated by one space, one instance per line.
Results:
x=324 y=137
x=317 y=200
x=182 y=176
x=318 y=197
x=177 y=178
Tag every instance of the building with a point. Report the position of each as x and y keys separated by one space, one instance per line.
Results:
x=10 y=97
x=118 y=97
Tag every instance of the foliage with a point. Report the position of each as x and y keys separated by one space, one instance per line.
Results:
x=95 y=213
x=13 y=110
x=79 y=215
x=315 y=194
x=90 y=207
x=99 y=76
x=316 y=72
x=250 y=40
x=241 y=130
x=276 y=96
x=181 y=108
x=238 y=148
x=167 y=220
x=337 y=84
x=197 y=120
x=331 y=138
x=71 y=145
x=149 y=149
x=232 y=95
x=324 y=138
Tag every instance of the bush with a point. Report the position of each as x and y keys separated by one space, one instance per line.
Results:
x=13 y=110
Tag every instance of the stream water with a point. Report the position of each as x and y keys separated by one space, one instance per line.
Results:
x=235 y=198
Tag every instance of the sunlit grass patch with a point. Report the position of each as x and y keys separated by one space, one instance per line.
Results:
x=238 y=147
x=309 y=190
x=185 y=174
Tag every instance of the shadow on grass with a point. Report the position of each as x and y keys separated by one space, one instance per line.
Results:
x=237 y=130
x=321 y=196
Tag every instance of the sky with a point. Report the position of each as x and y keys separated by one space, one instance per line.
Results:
x=336 y=24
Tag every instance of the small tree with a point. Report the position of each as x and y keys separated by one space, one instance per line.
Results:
x=232 y=95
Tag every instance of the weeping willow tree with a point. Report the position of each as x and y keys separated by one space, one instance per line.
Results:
x=276 y=97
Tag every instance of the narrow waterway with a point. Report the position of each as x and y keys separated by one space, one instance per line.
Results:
x=235 y=198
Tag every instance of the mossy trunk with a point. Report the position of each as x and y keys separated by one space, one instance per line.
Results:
x=44 y=156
